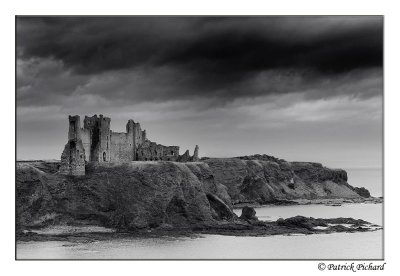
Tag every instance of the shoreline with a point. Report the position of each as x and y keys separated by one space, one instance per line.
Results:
x=324 y=201
x=239 y=227
x=86 y=237
x=96 y=236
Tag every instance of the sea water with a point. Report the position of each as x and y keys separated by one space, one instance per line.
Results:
x=363 y=245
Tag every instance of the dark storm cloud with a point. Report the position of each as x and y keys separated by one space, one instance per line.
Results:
x=93 y=45
x=213 y=52
x=219 y=45
x=239 y=46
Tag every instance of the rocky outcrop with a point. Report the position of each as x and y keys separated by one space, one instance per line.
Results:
x=142 y=195
x=362 y=192
x=34 y=203
x=131 y=196
x=248 y=214
x=334 y=224
x=219 y=208
x=272 y=180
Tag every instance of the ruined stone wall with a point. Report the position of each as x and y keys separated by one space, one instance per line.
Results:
x=170 y=153
x=130 y=133
x=147 y=151
x=74 y=127
x=104 y=141
x=91 y=125
x=95 y=142
x=73 y=158
x=98 y=131
x=150 y=151
x=195 y=157
x=121 y=147
x=137 y=136
x=185 y=157
x=86 y=142
x=73 y=155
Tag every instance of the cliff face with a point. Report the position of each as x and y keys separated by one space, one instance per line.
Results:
x=140 y=195
x=266 y=181
x=126 y=196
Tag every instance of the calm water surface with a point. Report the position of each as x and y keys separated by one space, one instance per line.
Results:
x=323 y=246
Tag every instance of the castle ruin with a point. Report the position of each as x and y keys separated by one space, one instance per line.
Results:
x=96 y=142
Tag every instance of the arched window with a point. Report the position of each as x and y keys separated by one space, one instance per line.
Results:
x=104 y=156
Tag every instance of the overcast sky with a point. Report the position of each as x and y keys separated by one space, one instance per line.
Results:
x=298 y=88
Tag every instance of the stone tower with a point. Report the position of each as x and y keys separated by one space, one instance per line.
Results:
x=103 y=146
x=98 y=138
x=131 y=134
x=73 y=156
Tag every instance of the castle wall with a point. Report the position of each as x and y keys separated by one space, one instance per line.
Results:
x=91 y=126
x=170 y=153
x=98 y=130
x=185 y=157
x=121 y=147
x=74 y=130
x=137 y=136
x=73 y=158
x=104 y=139
x=130 y=138
x=195 y=157
x=95 y=142
x=86 y=142
x=150 y=151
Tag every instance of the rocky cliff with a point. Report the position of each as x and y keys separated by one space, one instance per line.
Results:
x=124 y=196
x=140 y=195
x=264 y=180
